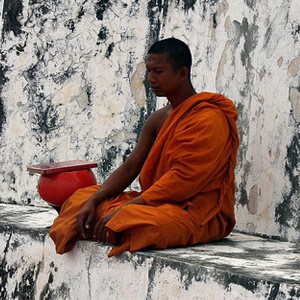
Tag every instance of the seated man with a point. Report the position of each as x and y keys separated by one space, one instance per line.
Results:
x=185 y=156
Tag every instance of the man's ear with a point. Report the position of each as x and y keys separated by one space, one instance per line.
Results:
x=184 y=73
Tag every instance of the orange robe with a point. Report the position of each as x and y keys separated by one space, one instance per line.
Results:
x=187 y=183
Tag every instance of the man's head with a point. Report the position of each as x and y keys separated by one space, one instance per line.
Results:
x=168 y=65
x=179 y=54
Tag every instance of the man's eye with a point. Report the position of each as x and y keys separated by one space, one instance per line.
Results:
x=154 y=71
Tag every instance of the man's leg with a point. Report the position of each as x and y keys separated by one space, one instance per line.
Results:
x=165 y=226
x=64 y=231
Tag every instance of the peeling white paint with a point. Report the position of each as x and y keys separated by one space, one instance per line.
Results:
x=137 y=86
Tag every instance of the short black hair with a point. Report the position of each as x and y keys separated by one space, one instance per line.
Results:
x=178 y=52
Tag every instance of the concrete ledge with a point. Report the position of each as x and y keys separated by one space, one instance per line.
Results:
x=239 y=267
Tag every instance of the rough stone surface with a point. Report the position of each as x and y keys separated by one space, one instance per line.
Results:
x=238 y=267
x=71 y=87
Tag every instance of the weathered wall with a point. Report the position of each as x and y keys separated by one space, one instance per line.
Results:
x=239 y=267
x=72 y=87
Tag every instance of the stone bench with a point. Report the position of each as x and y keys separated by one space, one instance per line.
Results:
x=238 y=267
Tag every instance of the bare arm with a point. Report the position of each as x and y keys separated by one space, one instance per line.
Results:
x=123 y=175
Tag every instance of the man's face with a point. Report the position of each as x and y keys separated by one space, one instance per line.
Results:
x=164 y=81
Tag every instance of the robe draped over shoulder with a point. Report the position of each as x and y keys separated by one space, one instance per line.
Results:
x=193 y=159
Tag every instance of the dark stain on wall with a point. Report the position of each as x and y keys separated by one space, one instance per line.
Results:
x=249 y=284
x=130 y=63
x=12 y=10
x=188 y=4
x=101 y=7
x=46 y=293
x=214 y=19
x=250 y=33
x=243 y=130
x=46 y=118
x=40 y=8
x=30 y=73
x=25 y=288
x=245 y=166
x=45 y=115
x=89 y=92
x=206 y=6
x=27 y=198
x=70 y=24
x=102 y=35
x=58 y=78
x=155 y=22
x=12 y=177
x=295 y=294
x=151 y=279
x=81 y=11
x=2 y=114
x=5 y=272
x=134 y=8
x=107 y=161
x=139 y=125
x=109 y=50
x=250 y=3
x=3 y=80
x=296 y=29
x=282 y=15
x=127 y=152
x=3 y=70
x=20 y=48
x=243 y=198
x=274 y=291
x=284 y=211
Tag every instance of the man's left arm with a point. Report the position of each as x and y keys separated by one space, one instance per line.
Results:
x=198 y=147
x=99 y=232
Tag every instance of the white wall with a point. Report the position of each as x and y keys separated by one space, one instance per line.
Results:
x=72 y=87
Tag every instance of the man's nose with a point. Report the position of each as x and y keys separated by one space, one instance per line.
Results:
x=150 y=77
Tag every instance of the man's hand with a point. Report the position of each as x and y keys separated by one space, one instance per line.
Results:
x=99 y=232
x=85 y=218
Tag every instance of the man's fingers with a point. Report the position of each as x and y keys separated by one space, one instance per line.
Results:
x=103 y=234
x=88 y=222
x=98 y=229
x=81 y=225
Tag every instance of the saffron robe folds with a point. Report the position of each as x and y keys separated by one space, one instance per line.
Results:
x=187 y=183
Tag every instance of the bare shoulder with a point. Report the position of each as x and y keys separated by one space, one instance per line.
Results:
x=157 y=118
x=147 y=138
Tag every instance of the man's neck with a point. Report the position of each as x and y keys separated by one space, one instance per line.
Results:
x=181 y=96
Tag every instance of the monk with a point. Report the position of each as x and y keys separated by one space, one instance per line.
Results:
x=185 y=158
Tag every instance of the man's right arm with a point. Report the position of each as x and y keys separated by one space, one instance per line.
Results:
x=123 y=176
